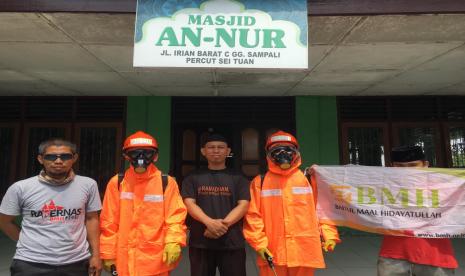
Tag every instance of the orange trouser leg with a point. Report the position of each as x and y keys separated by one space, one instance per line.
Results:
x=286 y=271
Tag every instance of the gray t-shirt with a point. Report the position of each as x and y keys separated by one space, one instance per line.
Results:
x=53 y=228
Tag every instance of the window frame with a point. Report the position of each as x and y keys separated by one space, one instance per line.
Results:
x=396 y=126
x=119 y=140
x=446 y=130
x=345 y=135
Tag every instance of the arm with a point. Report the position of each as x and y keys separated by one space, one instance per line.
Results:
x=189 y=194
x=175 y=214
x=237 y=213
x=10 y=208
x=93 y=233
x=242 y=192
x=329 y=233
x=254 y=227
x=8 y=226
x=215 y=226
x=234 y=216
x=109 y=221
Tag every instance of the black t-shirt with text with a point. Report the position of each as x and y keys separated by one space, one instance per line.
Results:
x=216 y=192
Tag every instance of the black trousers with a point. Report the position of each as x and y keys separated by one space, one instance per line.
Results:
x=205 y=261
x=23 y=268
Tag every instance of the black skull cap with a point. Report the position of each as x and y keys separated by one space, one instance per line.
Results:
x=215 y=137
x=407 y=154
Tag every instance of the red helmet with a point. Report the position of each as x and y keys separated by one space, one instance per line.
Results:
x=140 y=139
x=280 y=137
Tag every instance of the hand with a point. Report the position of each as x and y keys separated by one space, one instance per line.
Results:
x=310 y=170
x=329 y=245
x=217 y=227
x=171 y=253
x=95 y=266
x=262 y=252
x=107 y=264
x=210 y=235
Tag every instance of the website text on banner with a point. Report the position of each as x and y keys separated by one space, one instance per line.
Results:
x=420 y=202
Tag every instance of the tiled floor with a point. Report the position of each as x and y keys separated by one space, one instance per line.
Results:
x=356 y=256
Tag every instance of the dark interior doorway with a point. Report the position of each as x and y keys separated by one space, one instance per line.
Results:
x=244 y=121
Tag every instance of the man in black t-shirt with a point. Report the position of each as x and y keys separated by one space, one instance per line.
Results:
x=216 y=199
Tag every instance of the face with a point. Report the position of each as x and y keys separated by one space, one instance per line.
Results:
x=216 y=152
x=411 y=164
x=57 y=161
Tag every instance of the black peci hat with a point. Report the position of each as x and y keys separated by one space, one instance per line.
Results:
x=407 y=154
x=214 y=137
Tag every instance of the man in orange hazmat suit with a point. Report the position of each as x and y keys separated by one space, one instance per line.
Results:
x=281 y=221
x=142 y=219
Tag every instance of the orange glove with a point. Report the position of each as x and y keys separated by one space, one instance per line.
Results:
x=107 y=264
x=171 y=253
x=262 y=252
x=329 y=245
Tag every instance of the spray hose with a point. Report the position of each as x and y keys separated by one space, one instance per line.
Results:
x=269 y=260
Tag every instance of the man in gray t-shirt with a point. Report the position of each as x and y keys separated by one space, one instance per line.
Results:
x=60 y=217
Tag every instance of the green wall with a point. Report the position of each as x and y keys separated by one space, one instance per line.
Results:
x=317 y=130
x=152 y=115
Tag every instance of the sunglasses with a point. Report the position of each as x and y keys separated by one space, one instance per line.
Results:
x=283 y=149
x=147 y=154
x=63 y=157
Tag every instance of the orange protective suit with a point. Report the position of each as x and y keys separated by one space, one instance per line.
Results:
x=282 y=218
x=138 y=219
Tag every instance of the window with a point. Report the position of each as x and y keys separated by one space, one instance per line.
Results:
x=95 y=124
x=457 y=146
x=364 y=144
x=370 y=126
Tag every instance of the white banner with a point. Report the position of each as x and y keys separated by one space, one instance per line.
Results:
x=420 y=202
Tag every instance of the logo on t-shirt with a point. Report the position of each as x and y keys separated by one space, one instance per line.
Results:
x=214 y=190
x=56 y=213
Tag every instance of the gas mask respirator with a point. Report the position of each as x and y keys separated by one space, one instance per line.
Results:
x=283 y=156
x=141 y=158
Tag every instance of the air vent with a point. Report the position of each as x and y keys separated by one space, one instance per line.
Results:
x=453 y=108
x=59 y=108
x=101 y=108
x=424 y=108
x=414 y=108
x=234 y=109
x=63 y=108
x=10 y=108
x=356 y=108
